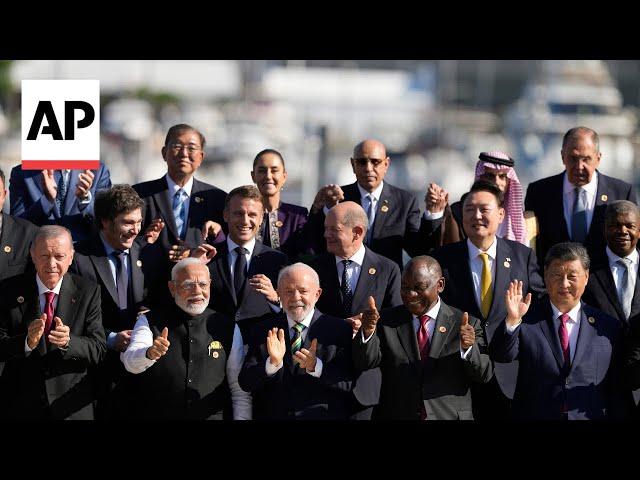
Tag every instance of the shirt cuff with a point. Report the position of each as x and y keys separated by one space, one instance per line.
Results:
x=465 y=354
x=318 y=370
x=111 y=340
x=270 y=369
x=86 y=201
x=365 y=340
x=513 y=328
x=275 y=308
x=433 y=216
x=27 y=350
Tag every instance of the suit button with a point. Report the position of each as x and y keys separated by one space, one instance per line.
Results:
x=190 y=361
x=191 y=340
x=189 y=380
x=566 y=382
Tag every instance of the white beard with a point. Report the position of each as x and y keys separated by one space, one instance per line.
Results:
x=191 y=308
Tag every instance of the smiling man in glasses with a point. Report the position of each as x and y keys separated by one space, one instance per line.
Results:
x=393 y=213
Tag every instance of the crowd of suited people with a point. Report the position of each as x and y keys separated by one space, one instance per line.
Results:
x=172 y=299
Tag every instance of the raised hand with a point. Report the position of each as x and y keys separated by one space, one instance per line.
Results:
x=210 y=229
x=160 y=346
x=307 y=358
x=122 y=340
x=328 y=196
x=204 y=253
x=49 y=185
x=59 y=335
x=436 y=198
x=276 y=346
x=356 y=323
x=516 y=307
x=467 y=333
x=370 y=318
x=262 y=284
x=178 y=252
x=35 y=331
x=152 y=232
x=85 y=180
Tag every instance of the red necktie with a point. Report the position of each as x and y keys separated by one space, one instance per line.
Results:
x=564 y=338
x=48 y=310
x=423 y=338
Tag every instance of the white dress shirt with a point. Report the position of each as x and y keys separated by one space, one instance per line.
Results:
x=273 y=369
x=173 y=188
x=135 y=361
x=355 y=267
x=42 y=289
x=568 y=196
x=111 y=338
x=618 y=270
x=476 y=264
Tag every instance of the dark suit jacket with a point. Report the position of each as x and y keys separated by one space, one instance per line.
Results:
x=395 y=229
x=442 y=385
x=15 y=241
x=544 y=197
x=49 y=382
x=294 y=236
x=264 y=260
x=292 y=393
x=459 y=291
x=28 y=200
x=379 y=278
x=592 y=386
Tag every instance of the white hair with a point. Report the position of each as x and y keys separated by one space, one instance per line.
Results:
x=184 y=263
x=288 y=269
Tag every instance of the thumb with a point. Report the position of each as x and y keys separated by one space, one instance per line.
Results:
x=165 y=333
x=58 y=321
x=281 y=336
x=43 y=317
x=465 y=319
x=372 y=303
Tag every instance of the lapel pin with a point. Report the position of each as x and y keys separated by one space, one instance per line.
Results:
x=139 y=263
x=591 y=320
x=506 y=264
x=372 y=271
x=215 y=354
x=508 y=259
x=442 y=329
x=279 y=223
x=20 y=299
x=199 y=199
x=7 y=249
x=384 y=209
x=73 y=300
x=604 y=198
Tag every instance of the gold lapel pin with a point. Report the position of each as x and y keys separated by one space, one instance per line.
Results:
x=604 y=198
x=7 y=249
x=442 y=329
x=506 y=264
x=20 y=299
x=139 y=263
x=279 y=223
x=199 y=199
x=73 y=300
x=384 y=209
x=591 y=320
x=372 y=271
x=215 y=354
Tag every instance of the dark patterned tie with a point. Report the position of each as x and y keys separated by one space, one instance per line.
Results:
x=347 y=293
x=625 y=292
x=62 y=192
x=423 y=338
x=122 y=279
x=240 y=271
x=564 y=338
x=48 y=311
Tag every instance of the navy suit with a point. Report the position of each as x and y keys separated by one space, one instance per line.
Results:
x=15 y=241
x=294 y=235
x=514 y=261
x=591 y=387
x=396 y=225
x=544 y=198
x=379 y=278
x=29 y=201
x=291 y=393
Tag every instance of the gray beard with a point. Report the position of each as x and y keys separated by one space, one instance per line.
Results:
x=190 y=308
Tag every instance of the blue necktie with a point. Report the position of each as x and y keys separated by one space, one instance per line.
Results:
x=62 y=192
x=371 y=214
x=579 y=217
x=179 y=211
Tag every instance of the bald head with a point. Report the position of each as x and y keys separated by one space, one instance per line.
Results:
x=424 y=262
x=370 y=163
x=345 y=226
x=421 y=284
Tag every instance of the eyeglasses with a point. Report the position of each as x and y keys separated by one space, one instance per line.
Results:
x=189 y=285
x=177 y=147
x=363 y=161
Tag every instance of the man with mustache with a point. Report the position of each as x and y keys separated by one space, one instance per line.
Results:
x=298 y=366
x=186 y=357
x=571 y=205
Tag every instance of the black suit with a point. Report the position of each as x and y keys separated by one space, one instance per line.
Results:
x=91 y=263
x=264 y=260
x=291 y=393
x=545 y=199
x=442 y=385
x=396 y=225
x=379 y=278
x=15 y=241
x=49 y=382
x=459 y=292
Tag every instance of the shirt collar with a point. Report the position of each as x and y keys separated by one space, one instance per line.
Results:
x=306 y=321
x=475 y=251
x=573 y=313
x=357 y=257
x=42 y=287
x=108 y=248
x=613 y=258
x=250 y=245
x=591 y=187
x=432 y=312
x=173 y=187
x=376 y=193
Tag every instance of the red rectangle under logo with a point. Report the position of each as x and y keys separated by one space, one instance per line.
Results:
x=60 y=164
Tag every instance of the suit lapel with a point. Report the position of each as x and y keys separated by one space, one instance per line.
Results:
x=101 y=263
x=407 y=337
x=601 y=202
x=461 y=270
x=366 y=281
x=445 y=320
x=223 y=266
x=5 y=242
x=137 y=275
x=70 y=198
x=503 y=258
x=197 y=213
x=66 y=307
x=549 y=330
x=161 y=198
x=384 y=208
x=557 y=198
x=585 y=337
x=605 y=279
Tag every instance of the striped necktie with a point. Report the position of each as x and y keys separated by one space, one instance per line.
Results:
x=296 y=343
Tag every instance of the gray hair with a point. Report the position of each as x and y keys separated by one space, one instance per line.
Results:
x=354 y=215
x=620 y=207
x=184 y=263
x=47 y=232
x=289 y=268
x=430 y=263
x=576 y=131
x=568 y=252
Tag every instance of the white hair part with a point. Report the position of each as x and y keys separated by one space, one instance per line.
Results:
x=184 y=263
x=290 y=268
